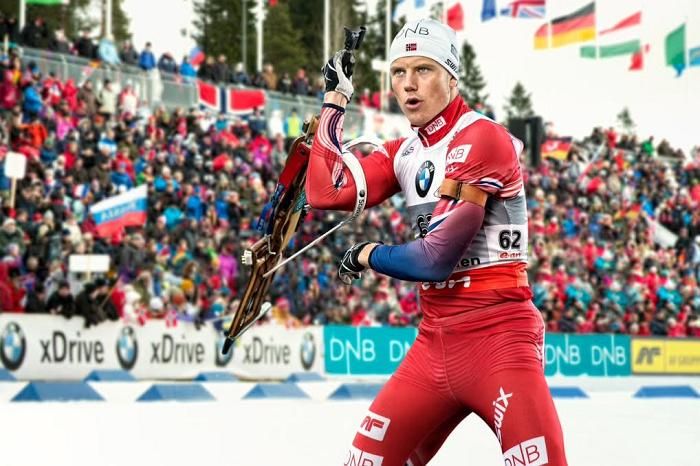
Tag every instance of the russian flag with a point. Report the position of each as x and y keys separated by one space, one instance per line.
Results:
x=117 y=212
x=196 y=56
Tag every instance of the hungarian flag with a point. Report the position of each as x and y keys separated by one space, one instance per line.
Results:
x=618 y=40
x=525 y=9
x=578 y=26
x=556 y=148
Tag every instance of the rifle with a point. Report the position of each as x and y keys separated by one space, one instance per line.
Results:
x=283 y=214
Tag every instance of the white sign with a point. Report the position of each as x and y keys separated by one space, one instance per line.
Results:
x=46 y=347
x=15 y=165
x=380 y=65
x=277 y=352
x=93 y=263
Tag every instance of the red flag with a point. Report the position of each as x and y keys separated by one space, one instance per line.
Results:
x=637 y=62
x=242 y=101
x=455 y=17
x=272 y=3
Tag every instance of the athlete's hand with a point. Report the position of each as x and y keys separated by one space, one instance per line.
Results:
x=350 y=267
x=337 y=73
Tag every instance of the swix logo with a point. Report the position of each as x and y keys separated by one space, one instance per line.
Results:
x=466 y=282
x=458 y=154
x=531 y=452
x=647 y=355
x=411 y=47
x=374 y=426
x=357 y=457
x=435 y=125
x=500 y=406
x=452 y=65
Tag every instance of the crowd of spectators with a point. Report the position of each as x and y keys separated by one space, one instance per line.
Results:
x=597 y=264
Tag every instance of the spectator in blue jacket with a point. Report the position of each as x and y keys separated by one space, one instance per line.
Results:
x=147 y=61
x=187 y=71
x=33 y=104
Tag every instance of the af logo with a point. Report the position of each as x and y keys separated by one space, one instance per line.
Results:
x=308 y=351
x=13 y=346
x=424 y=178
x=222 y=360
x=127 y=348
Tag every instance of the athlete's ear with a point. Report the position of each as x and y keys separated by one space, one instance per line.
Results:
x=453 y=82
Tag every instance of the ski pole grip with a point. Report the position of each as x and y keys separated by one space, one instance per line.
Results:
x=353 y=40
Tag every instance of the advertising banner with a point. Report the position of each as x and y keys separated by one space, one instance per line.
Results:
x=665 y=356
x=272 y=351
x=366 y=350
x=53 y=348
x=379 y=350
x=598 y=355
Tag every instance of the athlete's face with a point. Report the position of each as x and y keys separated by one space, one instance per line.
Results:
x=423 y=88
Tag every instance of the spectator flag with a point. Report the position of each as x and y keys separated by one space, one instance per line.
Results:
x=694 y=56
x=578 y=26
x=675 y=49
x=455 y=17
x=525 y=9
x=556 y=148
x=488 y=10
x=228 y=100
x=196 y=57
x=118 y=212
x=638 y=59
x=619 y=40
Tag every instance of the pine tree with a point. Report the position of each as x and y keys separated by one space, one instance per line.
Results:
x=281 y=41
x=625 y=121
x=472 y=82
x=519 y=104
x=218 y=27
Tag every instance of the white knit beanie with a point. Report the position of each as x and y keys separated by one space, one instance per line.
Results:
x=427 y=38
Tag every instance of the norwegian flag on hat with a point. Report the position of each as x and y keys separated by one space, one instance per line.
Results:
x=412 y=47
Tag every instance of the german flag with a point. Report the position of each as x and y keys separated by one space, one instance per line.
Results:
x=578 y=26
x=556 y=148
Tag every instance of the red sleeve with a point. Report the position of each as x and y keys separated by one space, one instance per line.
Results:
x=485 y=155
x=329 y=183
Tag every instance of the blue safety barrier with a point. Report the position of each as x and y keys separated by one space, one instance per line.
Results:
x=58 y=391
x=275 y=390
x=668 y=391
x=356 y=391
x=115 y=375
x=176 y=392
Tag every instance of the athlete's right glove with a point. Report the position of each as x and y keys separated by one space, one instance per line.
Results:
x=337 y=73
x=350 y=268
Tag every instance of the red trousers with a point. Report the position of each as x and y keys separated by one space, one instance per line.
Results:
x=488 y=362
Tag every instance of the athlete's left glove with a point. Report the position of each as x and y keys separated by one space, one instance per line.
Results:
x=337 y=73
x=350 y=268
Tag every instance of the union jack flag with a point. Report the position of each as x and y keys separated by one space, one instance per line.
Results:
x=525 y=9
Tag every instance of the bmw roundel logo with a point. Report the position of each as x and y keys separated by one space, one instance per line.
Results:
x=13 y=346
x=424 y=178
x=127 y=348
x=308 y=351
x=222 y=360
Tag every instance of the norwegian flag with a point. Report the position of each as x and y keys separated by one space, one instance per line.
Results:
x=411 y=47
x=229 y=100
